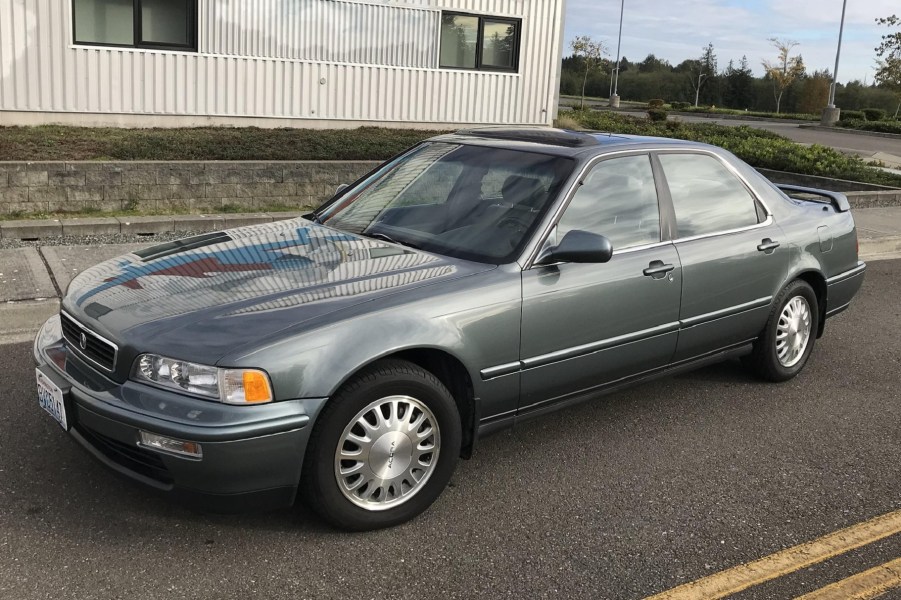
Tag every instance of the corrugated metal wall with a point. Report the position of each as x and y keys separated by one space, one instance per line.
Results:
x=299 y=59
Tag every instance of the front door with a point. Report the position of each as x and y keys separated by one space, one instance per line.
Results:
x=586 y=325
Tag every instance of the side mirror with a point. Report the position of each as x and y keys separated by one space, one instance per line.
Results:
x=578 y=247
x=341 y=188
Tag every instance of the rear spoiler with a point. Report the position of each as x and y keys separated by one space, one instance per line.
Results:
x=836 y=199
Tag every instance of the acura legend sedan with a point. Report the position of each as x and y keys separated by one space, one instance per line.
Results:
x=352 y=356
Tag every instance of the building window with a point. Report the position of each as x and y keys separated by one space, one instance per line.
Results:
x=477 y=42
x=163 y=24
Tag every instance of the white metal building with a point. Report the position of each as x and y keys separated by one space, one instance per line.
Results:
x=309 y=63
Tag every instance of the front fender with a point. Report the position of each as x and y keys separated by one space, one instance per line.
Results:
x=477 y=321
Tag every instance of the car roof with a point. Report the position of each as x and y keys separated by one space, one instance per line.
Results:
x=562 y=142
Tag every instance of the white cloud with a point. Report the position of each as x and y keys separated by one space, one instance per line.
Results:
x=679 y=29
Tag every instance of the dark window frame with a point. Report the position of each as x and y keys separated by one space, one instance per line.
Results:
x=480 y=33
x=192 y=27
x=762 y=213
x=663 y=229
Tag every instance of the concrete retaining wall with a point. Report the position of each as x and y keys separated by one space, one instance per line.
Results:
x=211 y=186
x=37 y=187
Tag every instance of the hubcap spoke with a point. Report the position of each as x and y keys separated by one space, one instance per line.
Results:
x=387 y=453
x=793 y=331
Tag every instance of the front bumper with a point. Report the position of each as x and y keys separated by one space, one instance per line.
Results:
x=252 y=455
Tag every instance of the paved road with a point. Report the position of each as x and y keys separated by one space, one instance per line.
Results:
x=621 y=498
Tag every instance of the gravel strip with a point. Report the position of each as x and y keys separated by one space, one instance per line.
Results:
x=97 y=240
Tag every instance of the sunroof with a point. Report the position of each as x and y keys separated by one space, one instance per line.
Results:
x=554 y=137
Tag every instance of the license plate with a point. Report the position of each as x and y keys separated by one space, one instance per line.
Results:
x=50 y=397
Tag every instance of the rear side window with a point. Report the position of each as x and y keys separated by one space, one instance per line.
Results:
x=617 y=199
x=707 y=197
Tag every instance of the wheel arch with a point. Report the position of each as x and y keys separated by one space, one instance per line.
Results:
x=452 y=373
x=817 y=281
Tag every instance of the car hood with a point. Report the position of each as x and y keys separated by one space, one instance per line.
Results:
x=201 y=297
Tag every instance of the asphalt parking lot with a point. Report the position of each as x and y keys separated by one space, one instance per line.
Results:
x=623 y=497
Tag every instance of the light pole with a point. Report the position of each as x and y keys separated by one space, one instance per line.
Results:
x=831 y=113
x=614 y=97
x=701 y=77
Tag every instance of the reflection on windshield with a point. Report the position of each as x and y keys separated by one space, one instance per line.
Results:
x=471 y=202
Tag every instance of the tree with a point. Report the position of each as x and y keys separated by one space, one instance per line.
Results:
x=785 y=70
x=739 y=88
x=702 y=70
x=889 y=58
x=814 y=93
x=591 y=52
x=652 y=64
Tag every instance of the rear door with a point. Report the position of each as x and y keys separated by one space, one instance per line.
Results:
x=733 y=255
x=585 y=325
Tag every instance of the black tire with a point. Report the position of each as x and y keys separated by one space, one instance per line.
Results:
x=388 y=378
x=764 y=360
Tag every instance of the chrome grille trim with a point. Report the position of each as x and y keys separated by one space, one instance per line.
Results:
x=100 y=351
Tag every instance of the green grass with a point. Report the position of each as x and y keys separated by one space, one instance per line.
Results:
x=759 y=148
x=56 y=143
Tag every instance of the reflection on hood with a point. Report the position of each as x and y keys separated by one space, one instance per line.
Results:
x=252 y=269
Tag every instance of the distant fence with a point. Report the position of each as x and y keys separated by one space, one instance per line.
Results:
x=197 y=186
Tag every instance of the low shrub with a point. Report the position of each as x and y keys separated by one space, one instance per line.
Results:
x=657 y=114
x=877 y=126
x=883 y=126
x=656 y=103
x=759 y=148
x=681 y=105
x=849 y=123
x=566 y=121
x=873 y=114
x=853 y=115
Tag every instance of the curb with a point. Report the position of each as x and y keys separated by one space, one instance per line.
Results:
x=881 y=247
x=22 y=319
x=40 y=229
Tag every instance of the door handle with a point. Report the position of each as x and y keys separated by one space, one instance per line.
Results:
x=768 y=246
x=658 y=269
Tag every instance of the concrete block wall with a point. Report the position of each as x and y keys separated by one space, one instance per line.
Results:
x=42 y=187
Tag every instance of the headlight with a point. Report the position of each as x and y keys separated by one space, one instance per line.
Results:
x=231 y=386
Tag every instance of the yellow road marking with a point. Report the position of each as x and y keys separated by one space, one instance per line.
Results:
x=731 y=581
x=863 y=586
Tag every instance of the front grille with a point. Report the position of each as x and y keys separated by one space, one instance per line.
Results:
x=96 y=349
x=132 y=457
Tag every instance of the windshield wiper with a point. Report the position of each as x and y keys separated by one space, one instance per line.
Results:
x=378 y=235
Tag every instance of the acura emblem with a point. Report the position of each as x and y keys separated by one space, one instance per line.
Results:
x=83 y=342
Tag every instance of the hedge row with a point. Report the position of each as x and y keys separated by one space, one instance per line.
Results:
x=757 y=147
x=878 y=126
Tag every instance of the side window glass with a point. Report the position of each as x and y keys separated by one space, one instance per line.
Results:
x=617 y=199
x=707 y=197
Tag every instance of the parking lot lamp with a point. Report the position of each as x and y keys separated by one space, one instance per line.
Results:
x=831 y=113
x=614 y=97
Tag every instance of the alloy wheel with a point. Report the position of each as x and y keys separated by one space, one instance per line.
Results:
x=793 y=331
x=387 y=453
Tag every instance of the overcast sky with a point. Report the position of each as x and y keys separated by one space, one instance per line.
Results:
x=679 y=29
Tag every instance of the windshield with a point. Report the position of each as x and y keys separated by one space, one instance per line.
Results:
x=470 y=202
